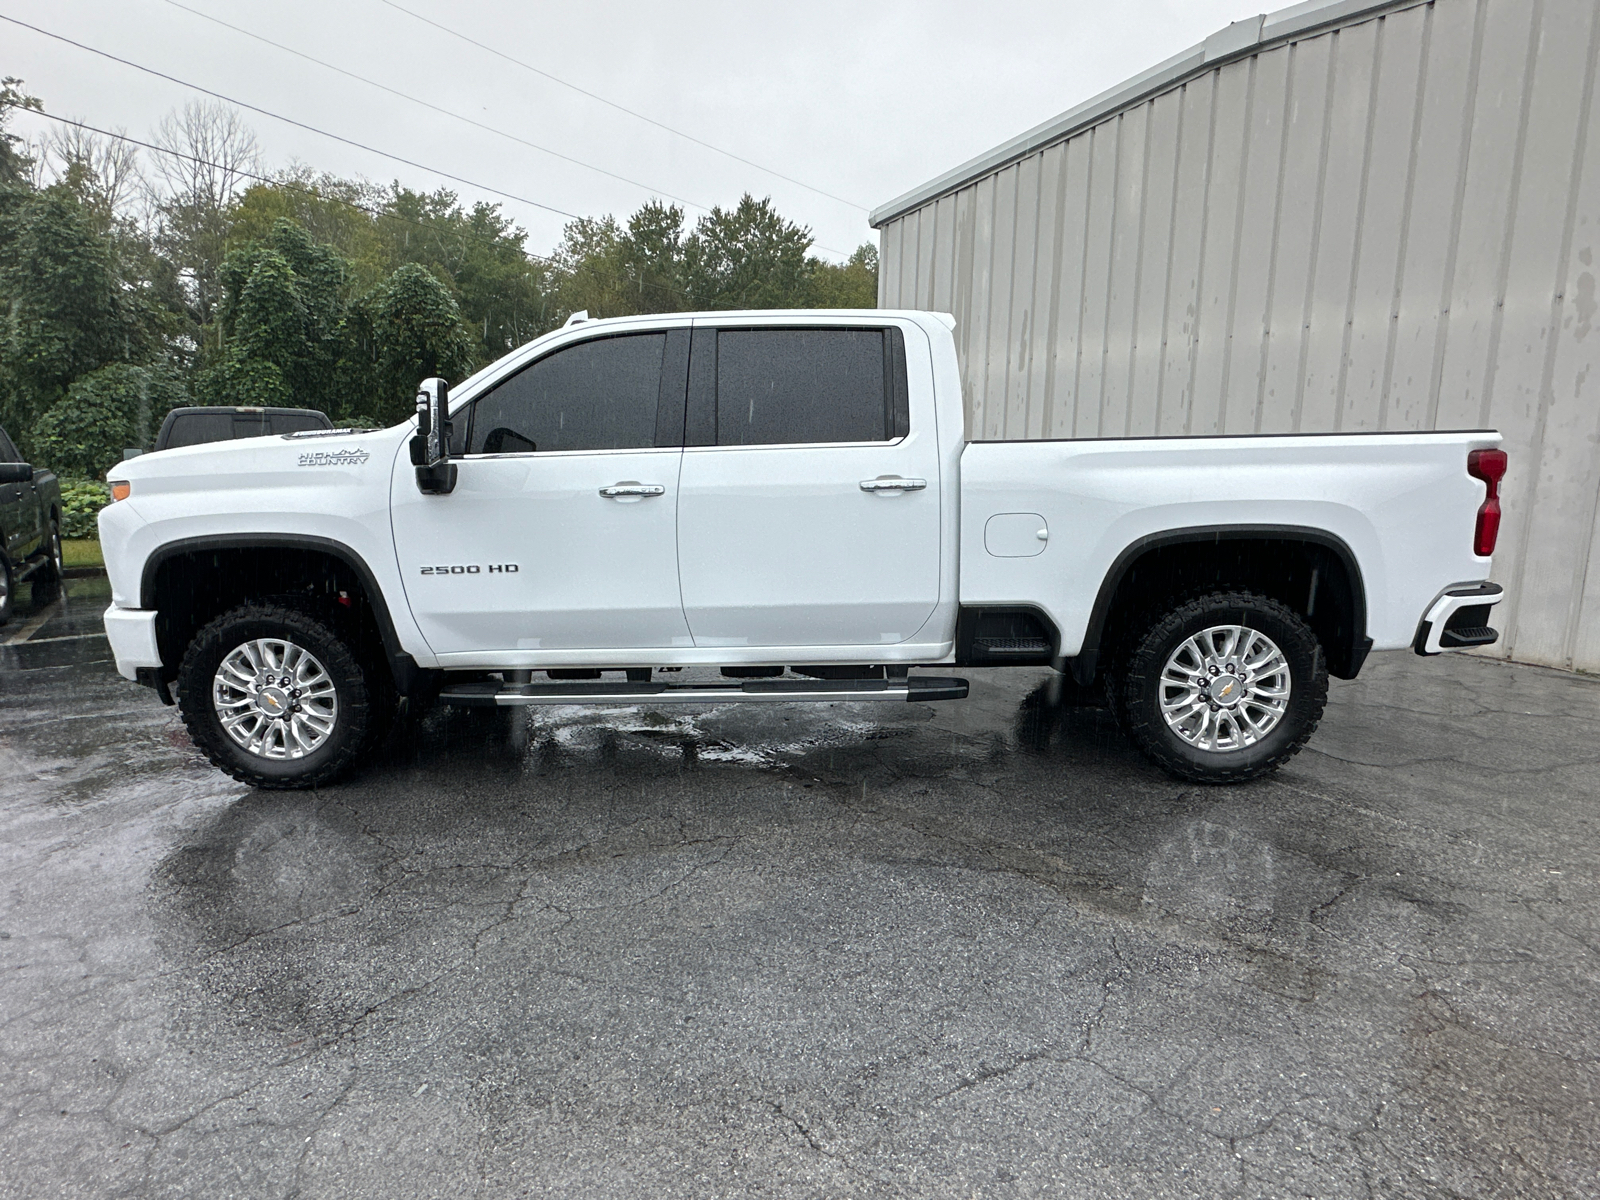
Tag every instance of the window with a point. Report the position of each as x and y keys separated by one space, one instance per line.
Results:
x=786 y=386
x=8 y=452
x=597 y=395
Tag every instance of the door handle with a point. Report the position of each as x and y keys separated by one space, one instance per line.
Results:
x=633 y=489
x=893 y=483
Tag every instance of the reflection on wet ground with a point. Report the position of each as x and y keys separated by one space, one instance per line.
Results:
x=964 y=949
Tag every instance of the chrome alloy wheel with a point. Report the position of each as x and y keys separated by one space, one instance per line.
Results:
x=1225 y=688
x=275 y=699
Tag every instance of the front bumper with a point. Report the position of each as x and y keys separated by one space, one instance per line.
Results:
x=1459 y=619
x=132 y=634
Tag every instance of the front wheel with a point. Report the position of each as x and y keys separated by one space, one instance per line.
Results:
x=48 y=578
x=275 y=697
x=1224 y=687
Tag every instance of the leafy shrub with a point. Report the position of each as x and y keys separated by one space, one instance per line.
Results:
x=247 y=382
x=104 y=412
x=81 y=502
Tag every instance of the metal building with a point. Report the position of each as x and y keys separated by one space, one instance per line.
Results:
x=1342 y=216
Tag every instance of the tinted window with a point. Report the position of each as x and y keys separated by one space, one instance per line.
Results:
x=8 y=452
x=194 y=429
x=803 y=385
x=298 y=422
x=597 y=395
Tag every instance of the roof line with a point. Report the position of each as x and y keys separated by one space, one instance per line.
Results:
x=1235 y=41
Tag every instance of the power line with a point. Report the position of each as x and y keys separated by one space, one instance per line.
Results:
x=289 y=185
x=291 y=121
x=434 y=107
x=620 y=108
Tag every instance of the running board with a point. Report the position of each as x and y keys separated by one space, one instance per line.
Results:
x=782 y=691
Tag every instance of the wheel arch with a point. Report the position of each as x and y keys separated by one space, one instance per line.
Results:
x=403 y=667
x=1334 y=578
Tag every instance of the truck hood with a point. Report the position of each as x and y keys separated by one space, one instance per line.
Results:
x=294 y=459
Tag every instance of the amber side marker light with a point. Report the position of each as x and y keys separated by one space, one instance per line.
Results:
x=1489 y=466
x=120 y=489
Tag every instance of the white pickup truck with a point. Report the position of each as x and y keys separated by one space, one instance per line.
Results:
x=788 y=497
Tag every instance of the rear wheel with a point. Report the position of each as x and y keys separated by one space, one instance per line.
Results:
x=276 y=697
x=1224 y=687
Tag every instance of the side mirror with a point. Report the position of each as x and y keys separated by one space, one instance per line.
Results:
x=430 y=449
x=15 y=472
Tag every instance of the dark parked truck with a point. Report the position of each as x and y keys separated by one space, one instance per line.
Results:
x=30 y=528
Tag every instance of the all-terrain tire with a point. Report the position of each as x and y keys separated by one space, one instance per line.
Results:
x=1140 y=690
x=8 y=590
x=345 y=743
x=47 y=580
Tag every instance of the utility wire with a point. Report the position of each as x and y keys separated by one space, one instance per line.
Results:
x=383 y=214
x=291 y=121
x=620 y=108
x=434 y=107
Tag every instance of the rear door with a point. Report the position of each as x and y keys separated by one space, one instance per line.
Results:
x=561 y=531
x=808 y=513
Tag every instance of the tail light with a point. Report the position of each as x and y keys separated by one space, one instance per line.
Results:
x=1489 y=466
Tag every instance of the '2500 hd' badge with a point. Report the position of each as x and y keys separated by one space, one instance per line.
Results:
x=472 y=569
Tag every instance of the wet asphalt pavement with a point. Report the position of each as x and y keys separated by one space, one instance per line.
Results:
x=969 y=949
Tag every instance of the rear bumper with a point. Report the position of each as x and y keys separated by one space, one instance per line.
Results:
x=1459 y=619
x=132 y=634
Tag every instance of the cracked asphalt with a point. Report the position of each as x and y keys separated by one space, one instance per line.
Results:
x=957 y=950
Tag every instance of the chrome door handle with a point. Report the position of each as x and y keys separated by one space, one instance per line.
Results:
x=633 y=489
x=893 y=484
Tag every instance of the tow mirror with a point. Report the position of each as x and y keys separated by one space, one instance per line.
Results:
x=430 y=449
x=15 y=472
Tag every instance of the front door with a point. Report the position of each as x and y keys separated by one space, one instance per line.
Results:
x=560 y=533
x=809 y=515
x=19 y=511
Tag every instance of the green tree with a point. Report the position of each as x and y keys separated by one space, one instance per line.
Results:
x=406 y=331
x=748 y=257
x=480 y=256
x=282 y=308
x=851 y=284
x=102 y=413
x=65 y=309
x=14 y=163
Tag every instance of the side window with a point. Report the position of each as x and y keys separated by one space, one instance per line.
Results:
x=8 y=452
x=597 y=395
x=787 y=386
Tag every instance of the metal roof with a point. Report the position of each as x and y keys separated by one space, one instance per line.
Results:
x=1238 y=39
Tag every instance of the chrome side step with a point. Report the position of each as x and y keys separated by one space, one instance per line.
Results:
x=917 y=690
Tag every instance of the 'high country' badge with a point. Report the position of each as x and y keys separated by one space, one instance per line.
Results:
x=338 y=458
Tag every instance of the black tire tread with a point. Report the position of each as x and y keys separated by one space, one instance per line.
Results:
x=1151 y=740
x=354 y=706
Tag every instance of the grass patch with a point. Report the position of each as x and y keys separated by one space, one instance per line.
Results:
x=81 y=552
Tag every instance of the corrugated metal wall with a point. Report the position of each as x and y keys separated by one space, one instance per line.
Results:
x=1392 y=224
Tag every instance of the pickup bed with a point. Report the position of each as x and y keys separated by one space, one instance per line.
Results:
x=789 y=499
x=30 y=528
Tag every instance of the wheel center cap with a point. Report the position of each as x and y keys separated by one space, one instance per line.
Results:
x=273 y=701
x=1226 y=689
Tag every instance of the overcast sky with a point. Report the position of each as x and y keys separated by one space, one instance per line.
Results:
x=861 y=100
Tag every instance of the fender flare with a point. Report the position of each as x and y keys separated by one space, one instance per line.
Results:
x=405 y=668
x=1085 y=663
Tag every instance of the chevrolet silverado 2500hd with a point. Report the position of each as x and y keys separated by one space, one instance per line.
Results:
x=789 y=497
